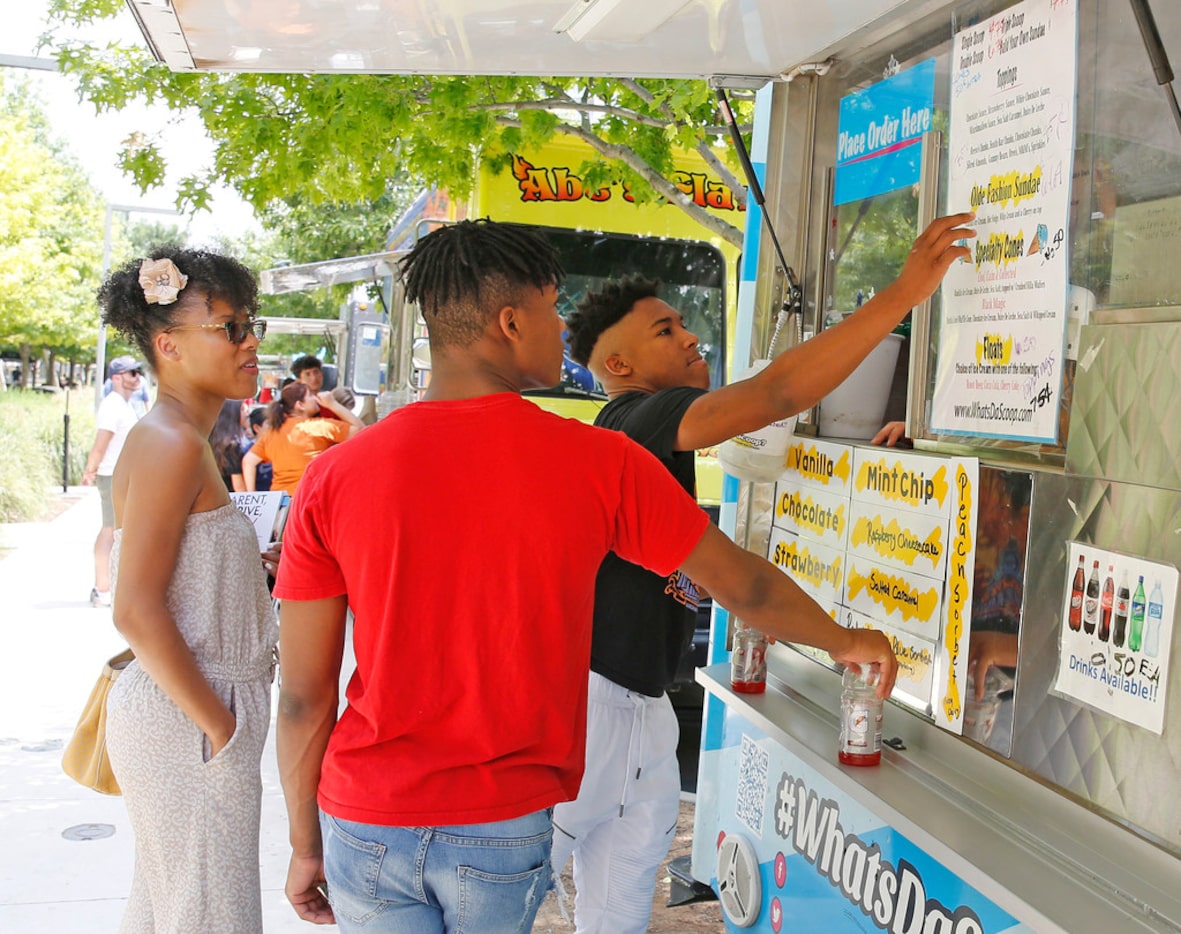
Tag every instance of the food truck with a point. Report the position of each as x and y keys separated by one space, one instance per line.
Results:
x=1022 y=556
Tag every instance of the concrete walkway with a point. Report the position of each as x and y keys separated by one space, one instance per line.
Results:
x=66 y=857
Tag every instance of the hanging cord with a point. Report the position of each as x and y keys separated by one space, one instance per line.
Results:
x=793 y=301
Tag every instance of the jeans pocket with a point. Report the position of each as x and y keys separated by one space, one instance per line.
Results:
x=352 y=866
x=500 y=903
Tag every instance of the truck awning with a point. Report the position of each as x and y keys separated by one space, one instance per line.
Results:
x=306 y=276
x=633 y=38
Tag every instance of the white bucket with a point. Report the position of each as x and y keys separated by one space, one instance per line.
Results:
x=856 y=408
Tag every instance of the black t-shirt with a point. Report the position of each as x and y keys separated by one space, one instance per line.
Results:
x=644 y=622
x=231 y=464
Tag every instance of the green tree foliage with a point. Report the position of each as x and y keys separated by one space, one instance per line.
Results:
x=341 y=138
x=51 y=236
x=873 y=239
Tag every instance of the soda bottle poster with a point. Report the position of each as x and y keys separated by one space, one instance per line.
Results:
x=1002 y=336
x=1117 y=628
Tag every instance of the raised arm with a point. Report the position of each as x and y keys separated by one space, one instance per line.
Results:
x=800 y=377
x=328 y=401
x=763 y=596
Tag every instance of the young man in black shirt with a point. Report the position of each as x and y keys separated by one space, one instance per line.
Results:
x=620 y=827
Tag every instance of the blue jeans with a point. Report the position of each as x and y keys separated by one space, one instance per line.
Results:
x=475 y=878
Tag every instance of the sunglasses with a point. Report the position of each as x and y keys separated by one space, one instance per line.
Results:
x=236 y=331
x=133 y=372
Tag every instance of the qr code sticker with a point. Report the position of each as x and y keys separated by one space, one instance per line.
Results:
x=752 y=785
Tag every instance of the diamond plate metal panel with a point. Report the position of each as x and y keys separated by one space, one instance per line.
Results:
x=1121 y=424
x=1123 y=771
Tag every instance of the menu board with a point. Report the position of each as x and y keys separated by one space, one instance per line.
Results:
x=884 y=539
x=1011 y=151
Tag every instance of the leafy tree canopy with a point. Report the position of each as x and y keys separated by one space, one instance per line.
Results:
x=51 y=235
x=342 y=138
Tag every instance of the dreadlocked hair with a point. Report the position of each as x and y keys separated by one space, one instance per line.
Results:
x=461 y=275
x=600 y=310
x=211 y=276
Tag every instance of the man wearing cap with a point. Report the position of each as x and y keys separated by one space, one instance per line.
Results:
x=116 y=415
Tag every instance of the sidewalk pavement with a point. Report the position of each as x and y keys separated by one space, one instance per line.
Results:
x=67 y=859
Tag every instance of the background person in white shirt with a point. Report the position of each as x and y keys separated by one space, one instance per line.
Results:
x=116 y=415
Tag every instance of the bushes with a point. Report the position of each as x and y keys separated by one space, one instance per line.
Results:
x=32 y=426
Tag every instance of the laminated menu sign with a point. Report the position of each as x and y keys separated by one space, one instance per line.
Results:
x=916 y=658
x=1011 y=151
x=813 y=513
x=889 y=538
x=1116 y=632
x=819 y=464
x=817 y=568
x=902 y=599
x=909 y=541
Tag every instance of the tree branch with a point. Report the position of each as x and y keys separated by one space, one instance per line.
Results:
x=570 y=104
x=702 y=146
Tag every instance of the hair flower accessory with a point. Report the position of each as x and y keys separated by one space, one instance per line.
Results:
x=161 y=281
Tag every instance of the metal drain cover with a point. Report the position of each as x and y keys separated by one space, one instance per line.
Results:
x=89 y=831
x=48 y=745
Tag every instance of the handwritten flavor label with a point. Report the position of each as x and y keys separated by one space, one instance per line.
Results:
x=812 y=513
x=897 y=598
x=916 y=659
x=818 y=569
x=898 y=480
x=820 y=464
x=1011 y=151
x=910 y=541
x=957 y=608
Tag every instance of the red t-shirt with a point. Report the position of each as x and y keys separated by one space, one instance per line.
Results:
x=467 y=536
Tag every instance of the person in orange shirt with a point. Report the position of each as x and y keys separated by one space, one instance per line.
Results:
x=294 y=436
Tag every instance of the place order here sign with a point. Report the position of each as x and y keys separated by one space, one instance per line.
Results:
x=885 y=539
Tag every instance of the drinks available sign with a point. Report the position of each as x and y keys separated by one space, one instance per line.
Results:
x=1117 y=626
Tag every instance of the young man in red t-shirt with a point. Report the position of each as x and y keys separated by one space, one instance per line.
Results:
x=464 y=532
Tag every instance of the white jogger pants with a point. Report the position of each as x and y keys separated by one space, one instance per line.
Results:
x=622 y=824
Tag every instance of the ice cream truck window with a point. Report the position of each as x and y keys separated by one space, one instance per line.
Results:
x=1052 y=127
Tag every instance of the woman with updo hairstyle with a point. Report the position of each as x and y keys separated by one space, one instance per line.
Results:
x=294 y=436
x=187 y=720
